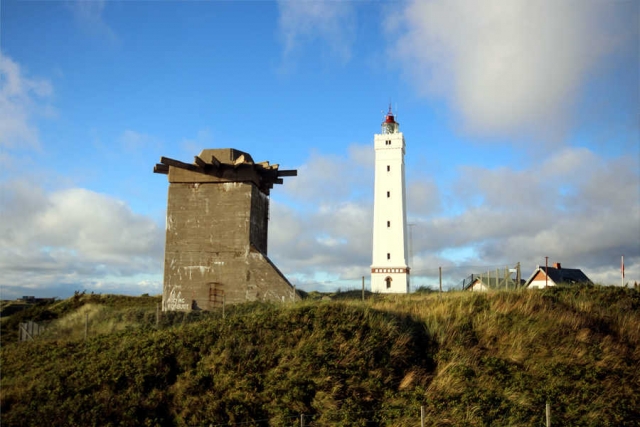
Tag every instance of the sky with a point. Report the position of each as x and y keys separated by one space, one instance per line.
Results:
x=521 y=122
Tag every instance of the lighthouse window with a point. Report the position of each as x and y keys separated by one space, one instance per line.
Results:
x=388 y=168
x=388 y=224
x=388 y=193
x=388 y=280
x=388 y=255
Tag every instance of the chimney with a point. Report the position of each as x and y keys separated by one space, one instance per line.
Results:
x=557 y=265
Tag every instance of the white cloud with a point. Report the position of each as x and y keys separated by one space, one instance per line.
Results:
x=576 y=207
x=303 y=22
x=73 y=238
x=89 y=16
x=423 y=198
x=193 y=146
x=133 y=141
x=325 y=225
x=325 y=179
x=22 y=99
x=510 y=66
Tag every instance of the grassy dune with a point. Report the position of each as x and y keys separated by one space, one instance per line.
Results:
x=470 y=359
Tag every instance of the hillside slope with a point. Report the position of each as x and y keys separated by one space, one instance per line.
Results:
x=469 y=359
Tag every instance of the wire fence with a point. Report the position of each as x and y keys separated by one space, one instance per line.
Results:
x=447 y=278
x=419 y=414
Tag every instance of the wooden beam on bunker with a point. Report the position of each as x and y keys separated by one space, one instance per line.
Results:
x=160 y=168
x=178 y=164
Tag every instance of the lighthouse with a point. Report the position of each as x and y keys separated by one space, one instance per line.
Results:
x=389 y=268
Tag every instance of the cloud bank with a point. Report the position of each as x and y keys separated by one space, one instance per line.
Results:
x=574 y=207
x=74 y=239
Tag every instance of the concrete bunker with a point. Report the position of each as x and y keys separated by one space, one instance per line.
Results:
x=216 y=232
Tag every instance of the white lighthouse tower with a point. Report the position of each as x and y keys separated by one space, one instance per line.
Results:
x=389 y=269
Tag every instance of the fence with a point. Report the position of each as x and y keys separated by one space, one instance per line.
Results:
x=27 y=331
x=307 y=420
x=499 y=278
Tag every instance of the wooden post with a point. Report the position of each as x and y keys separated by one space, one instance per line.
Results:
x=294 y=293
x=362 y=288
x=440 y=275
x=518 y=277
x=422 y=416
x=157 y=314
x=24 y=332
x=546 y=271
x=301 y=420
x=86 y=325
x=548 y=413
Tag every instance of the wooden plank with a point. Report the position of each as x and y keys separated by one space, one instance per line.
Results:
x=160 y=168
x=278 y=181
x=178 y=164
x=290 y=172
x=214 y=168
x=215 y=162
x=198 y=161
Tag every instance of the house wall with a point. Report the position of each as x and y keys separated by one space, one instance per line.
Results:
x=540 y=282
x=478 y=286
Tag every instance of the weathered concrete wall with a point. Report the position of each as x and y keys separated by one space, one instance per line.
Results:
x=259 y=219
x=216 y=245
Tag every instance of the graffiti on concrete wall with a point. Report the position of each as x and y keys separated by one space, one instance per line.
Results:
x=176 y=302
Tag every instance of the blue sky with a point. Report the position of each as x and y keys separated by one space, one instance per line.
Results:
x=521 y=122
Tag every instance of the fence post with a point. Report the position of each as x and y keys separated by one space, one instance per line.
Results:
x=440 y=274
x=362 y=288
x=157 y=314
x=548 y=413
x=422 y=416
x=86 y=325
x=301 y=420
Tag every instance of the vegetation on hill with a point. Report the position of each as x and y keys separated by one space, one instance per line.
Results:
x=467 y=358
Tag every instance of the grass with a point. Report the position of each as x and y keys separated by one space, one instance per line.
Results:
x=469 y=359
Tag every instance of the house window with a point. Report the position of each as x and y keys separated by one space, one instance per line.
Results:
x=388 y=281
x=388 y=255
x=388 y=224
x=388 y=168
x=388 y=193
